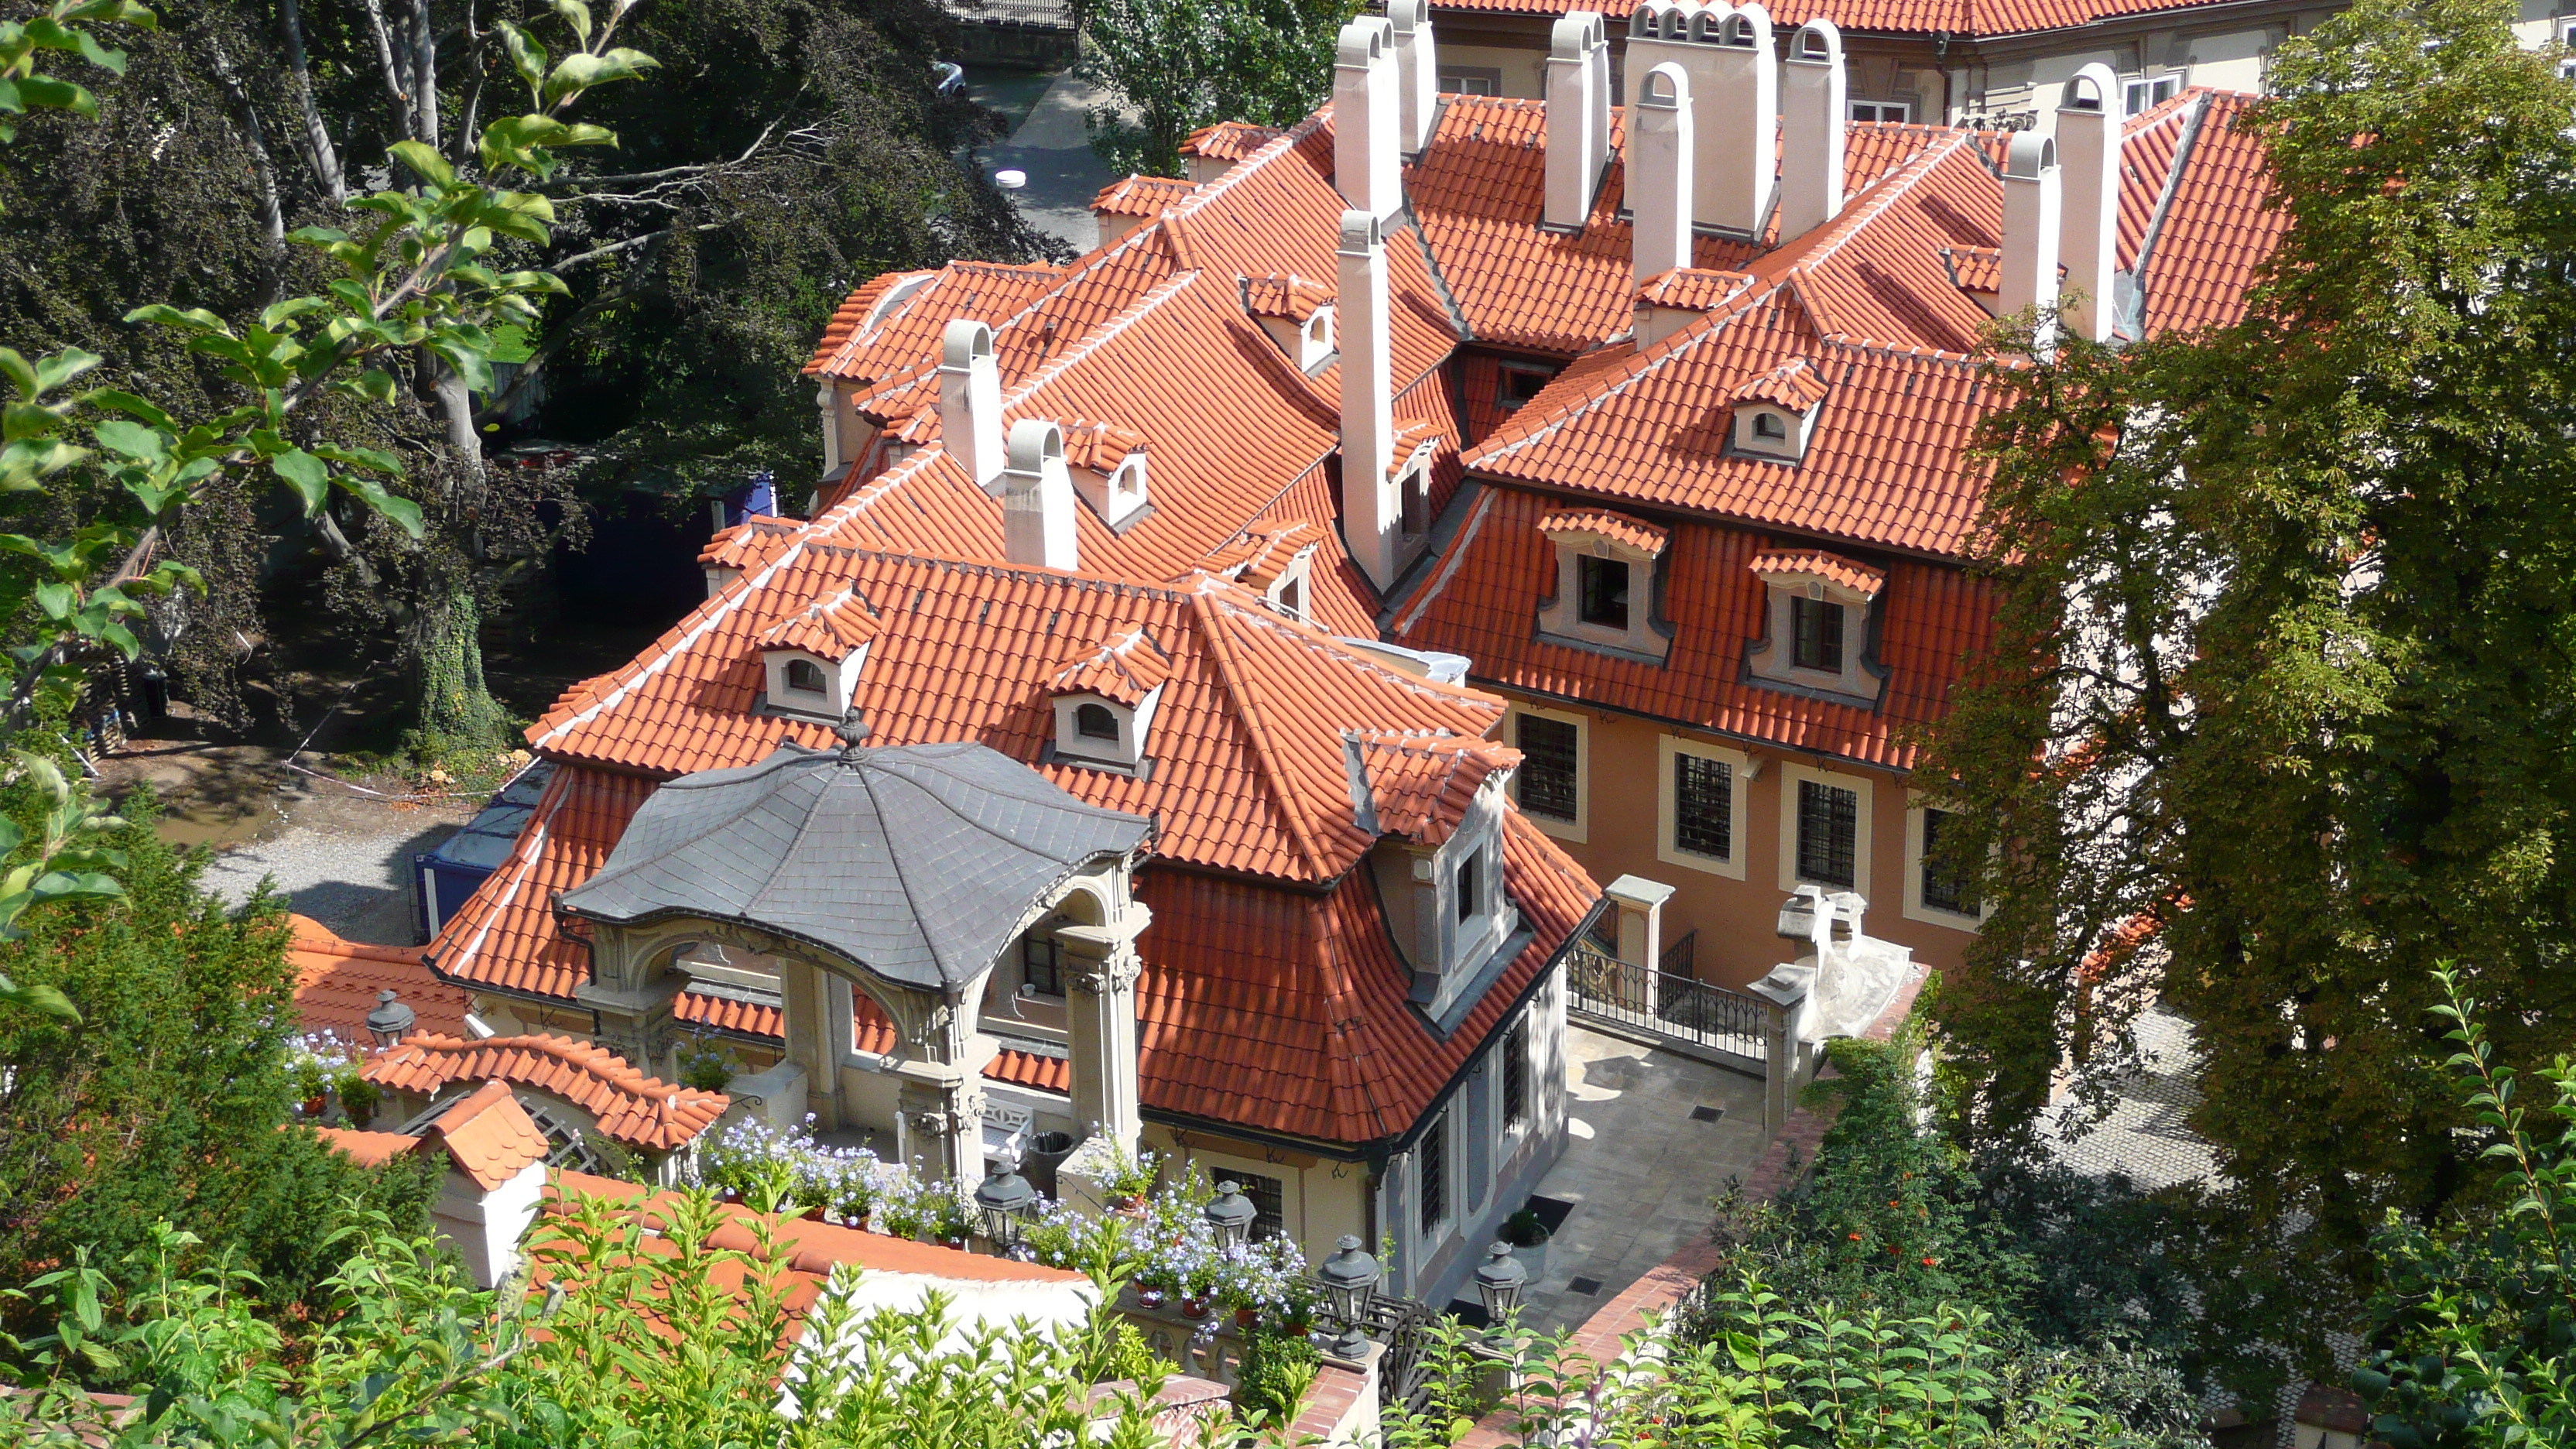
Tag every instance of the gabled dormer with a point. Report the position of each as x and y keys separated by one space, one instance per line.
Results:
x=1272 y=560
x=1408 y=469
x=1607 y=596
x=812 y=658
x=1108 y=467
x=1820 y=625
x=748 y=544
x=1104 y=703
x=1435 y=803
x=1297 y=313
x=1775 y=414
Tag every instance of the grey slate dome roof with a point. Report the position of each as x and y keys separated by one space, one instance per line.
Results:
x=914 y=862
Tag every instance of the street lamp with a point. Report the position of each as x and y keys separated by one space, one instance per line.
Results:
x=391 y=1020
x=1006 y=1198
x=1499 y=1280
x=1231 y=1214
x=1350 y=1279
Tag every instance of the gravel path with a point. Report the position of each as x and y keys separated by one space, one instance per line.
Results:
x=361 y=885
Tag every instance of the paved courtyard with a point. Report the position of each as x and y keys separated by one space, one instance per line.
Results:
x=1639 y=1169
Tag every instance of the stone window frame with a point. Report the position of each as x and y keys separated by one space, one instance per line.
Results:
x=1864 y=819
x=1135 y=725
x=1507 y=1053
x=1578 y=830
x=1861 y=680
x=1668 y=805
x=1648 y=639
x=1915 y=909
x=840 y=681
x=1798 y=429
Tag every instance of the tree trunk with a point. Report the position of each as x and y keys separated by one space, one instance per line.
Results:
x=319 y=153
x=457 y=712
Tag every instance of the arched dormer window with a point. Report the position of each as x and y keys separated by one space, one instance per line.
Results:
x=804 y=676
x=1775 y=413
x=1770 y=425
x=1105 y=699
x=811 y=659
x=1095 y=722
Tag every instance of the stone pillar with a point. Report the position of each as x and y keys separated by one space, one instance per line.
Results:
x=939 y=1099
x=1640 y=903
x=1784 y=1047
x=1101 y=968
x=629 y=994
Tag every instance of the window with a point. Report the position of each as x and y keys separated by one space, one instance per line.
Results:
x=1095 y=722
x=1816 y=630
x=1472 y=80
x=1943 y=889
x=1884 y=111
x=1433 y=1171
x=804 y=676
x=1828 y=833
x=1516 y=1076
x=1471 y=885
x=2146 y=95
x=1769 y=425
x=564 y=1145
x=1414 y=511
x=1269 y=1199
x=1703 y=806
x=1042 y=964
x=1292 y=598
x=1547 y=774
x=1603 y=586
x=1520 y=384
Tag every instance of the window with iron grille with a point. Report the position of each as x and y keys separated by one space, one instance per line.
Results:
x=1269 y=1200
x=1433 y=1172
x=1828 y=833
x=1603 y=585
x=1943 y=889
x=1042 y=964
x=1816 y=630
x=1703 y=806
x=1516 y=1103
x=1548 y=749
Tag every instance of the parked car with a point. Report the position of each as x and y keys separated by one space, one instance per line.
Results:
x=947 y=77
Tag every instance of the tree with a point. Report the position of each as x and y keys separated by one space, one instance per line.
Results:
x=1173 y=66
x=2274 y=716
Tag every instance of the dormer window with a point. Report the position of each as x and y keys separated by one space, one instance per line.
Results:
x=804 y=676
x=1107 y=465
x=1291 y=597
x=1471 y=885
x=1605 y=584
x=1817 y=624
x=1105 y=701
x=1297 y=314
x=811 y=660
x=1775 y=414
x=1095 y=722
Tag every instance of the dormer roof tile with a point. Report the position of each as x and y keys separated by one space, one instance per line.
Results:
x=1860 y=578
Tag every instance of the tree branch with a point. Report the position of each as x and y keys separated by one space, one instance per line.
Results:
x=613 y=248
x=397 y=79
x=319 y=153
x=424 y=74
x=272 y=209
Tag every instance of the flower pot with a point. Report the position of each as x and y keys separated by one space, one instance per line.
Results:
x=1130 y=1205
x=1194 y=1307
x=1149 y=1298
x=811 y=1215
x=954 y=1240
x=1246 y=1318
x=314 y=1106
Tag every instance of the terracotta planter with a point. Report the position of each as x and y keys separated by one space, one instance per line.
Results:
x=812 y=1215
x=316 y=1106
x=1194 y=1308
x=1149 y=1298
x=1247 y=1318
x=958 y=1242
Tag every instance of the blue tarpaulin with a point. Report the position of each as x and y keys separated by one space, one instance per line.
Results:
x=450 y=873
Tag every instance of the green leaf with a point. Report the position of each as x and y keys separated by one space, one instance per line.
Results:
x=527 y=57
x=305 y=474
x=576 y=15
x=133 y=440
x=404 y=513
x=195 y=319
x=424 y=162
x=578 y=73
x=132 y=406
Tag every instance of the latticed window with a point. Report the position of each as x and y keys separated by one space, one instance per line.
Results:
x=1943 y=889
x=564 y=1145
x=1434 y=1171
x=1817 y=630
x=1548 y=749
x=1703 y=806
x=1269 y=1201
x=1516 y=1103
x=1042 y=964
x=1828 y=833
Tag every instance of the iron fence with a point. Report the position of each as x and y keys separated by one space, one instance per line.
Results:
x=1627 y=993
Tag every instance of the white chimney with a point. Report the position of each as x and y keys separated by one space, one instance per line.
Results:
x=1417 y=72
x=1037 y=499
x=1659 y=171
x=970 y=400
x=1685 y=34
x=2088 y=145
x=1578 y=130
x=1745 y=108
x=1367 y=167
x=1370 y=515
x=2029 y=272
x=1812 y=112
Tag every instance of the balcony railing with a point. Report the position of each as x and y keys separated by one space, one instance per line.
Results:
x=1628 y=994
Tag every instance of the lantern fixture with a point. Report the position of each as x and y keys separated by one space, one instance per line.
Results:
x=1499 y=1281
x=1231 y=1214
x=391 y=1021
x=1350 y=1280
x=1006 y=1199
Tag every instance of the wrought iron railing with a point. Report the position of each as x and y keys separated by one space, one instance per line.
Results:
x=1626 y=993
x=1678 y=956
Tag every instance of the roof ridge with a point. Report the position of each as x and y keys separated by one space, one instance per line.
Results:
x=1237 y=688
x=531 y=849
x=1330 y=646
x=1286 y=141
x=1091 y=339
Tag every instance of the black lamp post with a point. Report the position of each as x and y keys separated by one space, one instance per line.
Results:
x=391 y=1020
x=1231 y=1214
x=1350 y=1280
x=1005 y=1198
x=1499 y=1281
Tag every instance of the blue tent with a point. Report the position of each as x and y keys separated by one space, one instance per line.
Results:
x=450 y=873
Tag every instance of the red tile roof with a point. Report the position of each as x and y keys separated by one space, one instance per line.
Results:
x=489 y=1136
x=1601 y=522
x=630 y=1107
x=1860 y=578
x=1228 y=140
x=1793 y=385
x=1420 y=786
x=831 y=626
x=1285 y=295
x=1127 y=666
x=1693 y=287
x=1264 y=552
x=1139 y=196
x=894 y=321
x=504 y=936
x=337 y=983
x=1100 y=447
x=748 y=544
x=724 y=1013
x=1984 y=19
x=367 y=1149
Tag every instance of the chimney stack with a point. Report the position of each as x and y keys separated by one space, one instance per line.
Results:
x=1037 y=499
x=2088 y=143
x=1367 y=166
x=1811 y=122
x=1745 y=110
x=1685 y=34
x=1659 y=171
x=2029 y=271
x=1417 y=72
x=1578 y=118
x=970 y=400
x=1370 y=512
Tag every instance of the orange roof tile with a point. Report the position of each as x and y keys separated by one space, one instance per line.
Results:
x=1793 y=385
x=831 y=627
x=1985 y=19
x=1636 y=533
x=1420 y=786
x=337 y=983
x=1860 y=578
x=1285 y=295
x=489 y=1136
x=1263 y=553
x=1694 y=288
x=504 y=937
x=1139 y=196
x=1100 y=447
x=747 y=544
x=724 y=1013
x=367 y=1149
x=1127 y=666
x=894 y=321
x=629 y=1106
x=1228 y=140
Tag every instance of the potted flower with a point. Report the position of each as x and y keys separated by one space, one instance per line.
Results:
x=358 y=1096
x=854 y=1188
x=1149 y=1291
x=948 y=1223
x=899 y=1208
x=1129 y=1180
